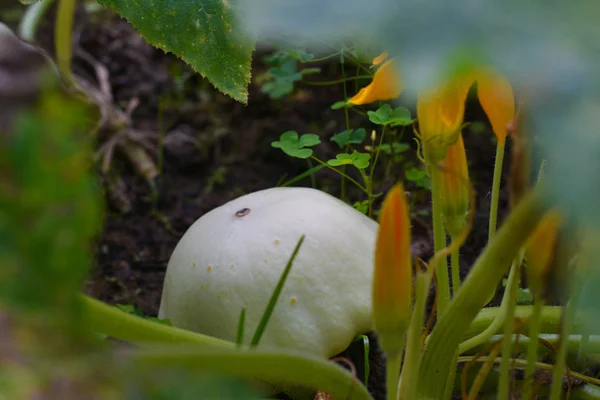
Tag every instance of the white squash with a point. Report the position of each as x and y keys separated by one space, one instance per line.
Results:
x=233 y=256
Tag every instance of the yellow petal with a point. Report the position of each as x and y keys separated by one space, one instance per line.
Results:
x=497 y=99
x=380 y=58
x=392 y=280
x=386 y=85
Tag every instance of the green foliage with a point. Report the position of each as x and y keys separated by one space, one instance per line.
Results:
x=284 y=72
x=207 y=35
x=418 y=176
x=349 y=136
x=50 y=205
x=359 y=160
x=296 y=146
x=385 y=115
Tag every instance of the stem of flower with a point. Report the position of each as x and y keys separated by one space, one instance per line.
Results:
x=534 y=332
x=414 y=349
x=394 y=362
x=63 y=39
x=455 y=271
x=439 y=239
x=496 y=323
x=507 y=345
x=496 y=189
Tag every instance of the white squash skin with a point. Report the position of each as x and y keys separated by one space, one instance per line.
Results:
x=326 y=300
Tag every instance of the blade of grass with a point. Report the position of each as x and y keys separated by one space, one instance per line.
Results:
x=262 y=325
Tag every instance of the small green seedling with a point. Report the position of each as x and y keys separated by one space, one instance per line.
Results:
x=294 y=145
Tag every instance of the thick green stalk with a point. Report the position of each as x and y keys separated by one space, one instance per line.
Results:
x=496 y=189
x=498 y=321
x=507 y=348
x=277 y=368
x=393 y=364
x=485 y=275
x=111 y=321
x=532 y=348
x=413 y=345
x=63 y=33
x=439 y=241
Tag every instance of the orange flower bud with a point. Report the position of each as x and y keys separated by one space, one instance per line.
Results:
x=540 y=251
x=454 y=188
x=392 y=281
x=497 y=99
x=440 y=113
x=386 y=84
x=380 y=58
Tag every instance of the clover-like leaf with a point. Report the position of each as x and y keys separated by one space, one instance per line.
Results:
x=414 y=174
x=359 y=160
x=349 y=136
x=385 y=115
x=294 y=145
x=208 y=35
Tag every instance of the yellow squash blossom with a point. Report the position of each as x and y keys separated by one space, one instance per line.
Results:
x=392 y=280
x=441 y=111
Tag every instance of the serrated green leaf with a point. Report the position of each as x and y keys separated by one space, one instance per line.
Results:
x=350 y=136
x=205 y=34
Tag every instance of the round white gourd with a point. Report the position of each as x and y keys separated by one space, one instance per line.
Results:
x=233 y=256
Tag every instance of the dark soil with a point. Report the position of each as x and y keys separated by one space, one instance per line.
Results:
x=215 y=150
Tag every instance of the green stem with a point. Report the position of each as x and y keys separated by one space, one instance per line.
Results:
x=414 y=349
x=550 y=319
x=507 y=348
x=455 y=271
x=111 y=321
x=393 y=364
x=561 y=355
x=63 y=39
x=347 y=120
x=278 y=368
x=31 y=19
x=439 y=239
x=498 y=321
x=532 y=349
x=343 y=80
x=485 y=275
x=496 y=189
